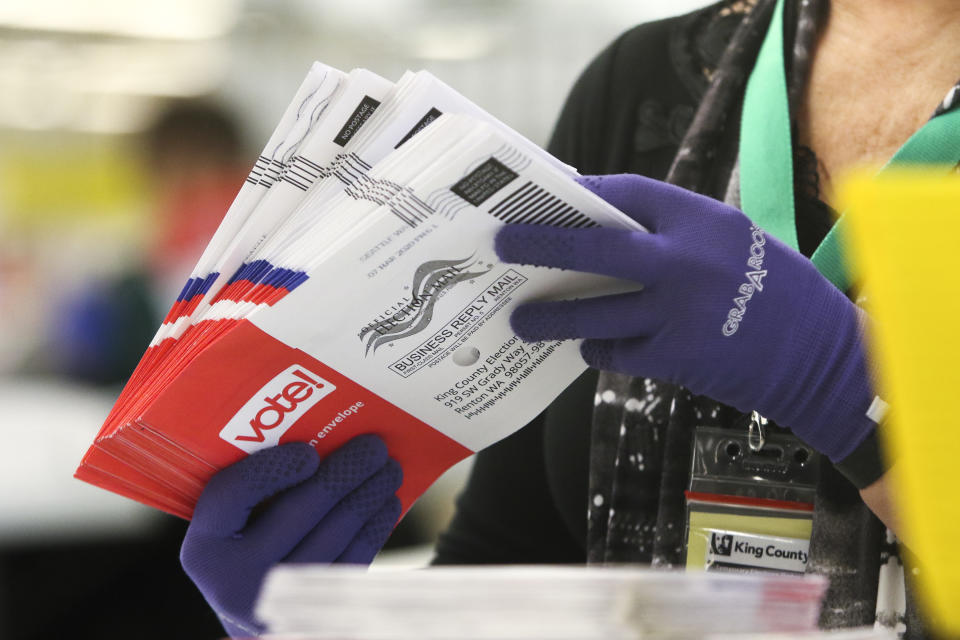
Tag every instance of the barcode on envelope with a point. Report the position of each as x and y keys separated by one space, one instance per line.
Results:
x=531 y=204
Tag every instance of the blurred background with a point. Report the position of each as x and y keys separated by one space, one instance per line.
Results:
x=125 y=130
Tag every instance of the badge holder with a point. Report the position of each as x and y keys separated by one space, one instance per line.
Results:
x=750 y=500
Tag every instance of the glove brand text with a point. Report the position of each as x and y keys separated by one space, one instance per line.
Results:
x=753 y=284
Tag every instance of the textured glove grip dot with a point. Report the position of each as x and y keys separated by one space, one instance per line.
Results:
x=597 y=353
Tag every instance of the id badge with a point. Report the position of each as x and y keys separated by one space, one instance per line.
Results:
x=749 y=510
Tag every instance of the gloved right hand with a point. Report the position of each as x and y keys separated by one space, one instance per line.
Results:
x=341 y=509
x=725 y=310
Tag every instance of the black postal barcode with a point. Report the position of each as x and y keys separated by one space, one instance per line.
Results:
x=302 y=172
x=531 y=204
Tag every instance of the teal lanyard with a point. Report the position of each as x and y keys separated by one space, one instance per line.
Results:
x=766 y=155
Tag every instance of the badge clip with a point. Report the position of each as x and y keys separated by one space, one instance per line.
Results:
x=756 y=432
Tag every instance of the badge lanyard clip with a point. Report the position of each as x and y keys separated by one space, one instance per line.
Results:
x=756 y=432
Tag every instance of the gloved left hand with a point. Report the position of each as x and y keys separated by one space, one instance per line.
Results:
x=725 y=310
x=339 y=509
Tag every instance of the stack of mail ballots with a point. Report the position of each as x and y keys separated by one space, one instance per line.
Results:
x=326 y=602
x=352 y=287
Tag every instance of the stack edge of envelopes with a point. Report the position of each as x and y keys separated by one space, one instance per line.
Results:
x=351 y=288
x=305 y=601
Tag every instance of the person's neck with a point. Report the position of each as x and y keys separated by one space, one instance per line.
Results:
x=879 y=68
x=898 y=33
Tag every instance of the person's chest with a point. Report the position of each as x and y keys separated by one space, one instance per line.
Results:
x=854 y=113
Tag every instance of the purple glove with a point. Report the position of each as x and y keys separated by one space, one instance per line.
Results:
x=726 y=310
x=341 y=509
